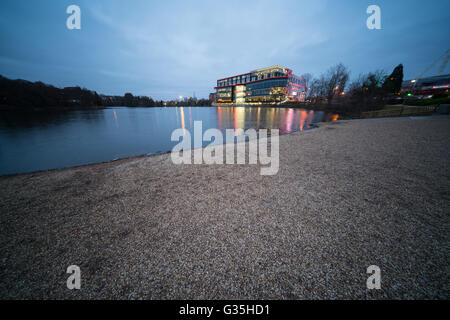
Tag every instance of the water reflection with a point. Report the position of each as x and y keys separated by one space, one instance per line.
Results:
x=115 y=118
x=219 y=118
x=258 y=117
x=238 y=119
x=287 y=120
x=182 y=120
x=190 y=118
x=31 y=141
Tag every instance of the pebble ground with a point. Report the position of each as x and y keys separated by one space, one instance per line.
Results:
x=348 y=195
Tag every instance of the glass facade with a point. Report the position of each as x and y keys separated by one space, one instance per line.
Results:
x=225 y=94
x=239 y=93
x=260 y=85
x=273 y=84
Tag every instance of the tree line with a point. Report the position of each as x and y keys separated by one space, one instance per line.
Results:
x=38 y=95
x=22 y=93
x=367 y=92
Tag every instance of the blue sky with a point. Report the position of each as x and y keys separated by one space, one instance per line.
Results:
x=169 y=48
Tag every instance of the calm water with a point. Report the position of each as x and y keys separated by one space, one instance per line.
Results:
x=31 y=141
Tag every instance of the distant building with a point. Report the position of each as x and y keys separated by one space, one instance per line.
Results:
x=268 y=85
x=429 y=85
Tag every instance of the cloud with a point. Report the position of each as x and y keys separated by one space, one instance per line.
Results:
x=170 y=48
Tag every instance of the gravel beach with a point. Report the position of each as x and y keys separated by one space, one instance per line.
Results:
x=348 y=195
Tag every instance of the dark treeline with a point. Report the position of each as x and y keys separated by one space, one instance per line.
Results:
x=21 y=93
x=189 y=102
x=370 y=91
x=38 y=95
x=24 y=94
x=141 y=101
x=130 y=101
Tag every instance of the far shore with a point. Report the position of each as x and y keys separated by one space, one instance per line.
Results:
x=35 y=109
x=348 y=195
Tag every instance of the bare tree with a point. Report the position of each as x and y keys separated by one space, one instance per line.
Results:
x=308 y=79
x=330 y=84
x=335 y=81
x=365 y=93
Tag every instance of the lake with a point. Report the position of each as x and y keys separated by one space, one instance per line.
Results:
x=33 y=141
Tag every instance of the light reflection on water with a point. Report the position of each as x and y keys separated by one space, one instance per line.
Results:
x=31 y=141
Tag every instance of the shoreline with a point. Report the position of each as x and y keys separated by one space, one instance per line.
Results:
x=42 y=109
x=120 y=160
x=313 y=126
x=348 y=195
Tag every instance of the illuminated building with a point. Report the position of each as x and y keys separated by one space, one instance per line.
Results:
x=275 y=84
x=427 y=86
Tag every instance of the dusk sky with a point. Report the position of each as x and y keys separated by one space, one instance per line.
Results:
x=164 y=49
